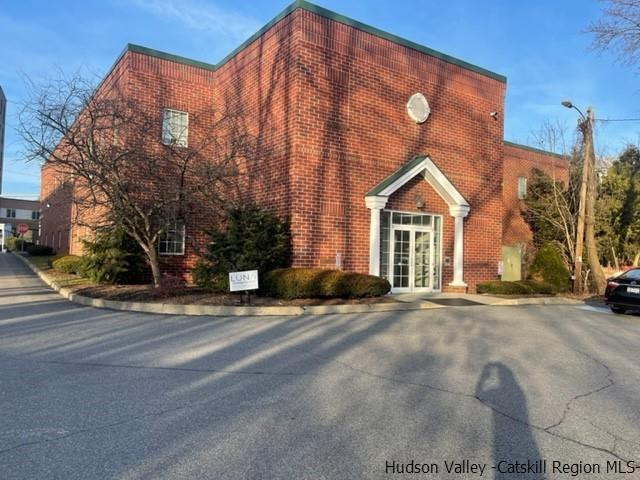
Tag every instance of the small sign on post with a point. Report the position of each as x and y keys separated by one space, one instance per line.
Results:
x=243 y=282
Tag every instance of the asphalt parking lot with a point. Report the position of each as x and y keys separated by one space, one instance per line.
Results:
x=96 y=394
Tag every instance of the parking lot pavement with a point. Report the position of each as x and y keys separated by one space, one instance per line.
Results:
x=98 y=394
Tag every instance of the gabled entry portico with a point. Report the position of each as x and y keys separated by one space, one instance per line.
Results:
x=413 y=248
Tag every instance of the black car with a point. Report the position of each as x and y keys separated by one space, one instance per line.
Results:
x=623 y=291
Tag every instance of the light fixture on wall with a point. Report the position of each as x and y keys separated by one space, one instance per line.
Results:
x=419 y=201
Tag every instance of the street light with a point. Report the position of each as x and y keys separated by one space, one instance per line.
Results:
x=568 y=104
x=586 y=125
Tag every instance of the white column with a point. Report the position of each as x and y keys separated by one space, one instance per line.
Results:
x=375 y=204
x=458 y=212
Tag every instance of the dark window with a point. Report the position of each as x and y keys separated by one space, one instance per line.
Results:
x=631 y=274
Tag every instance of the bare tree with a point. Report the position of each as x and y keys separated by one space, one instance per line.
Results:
x=551 y=203
x=108 y=147
x=619 y=30
x=553 y=137
x=552 y=206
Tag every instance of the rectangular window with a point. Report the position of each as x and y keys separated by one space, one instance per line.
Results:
x=171 y=241
x=175 y=127
x=522 y=187
x=35 y=215
x=11 y=213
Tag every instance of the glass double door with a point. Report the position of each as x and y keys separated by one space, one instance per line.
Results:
x=411 y=259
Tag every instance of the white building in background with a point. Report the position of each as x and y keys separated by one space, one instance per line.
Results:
x=5 y=232
x=14 y=211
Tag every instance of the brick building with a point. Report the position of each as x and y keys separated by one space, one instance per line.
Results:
x=385 y=156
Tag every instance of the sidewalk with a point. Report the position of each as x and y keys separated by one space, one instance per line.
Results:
x=425 y=301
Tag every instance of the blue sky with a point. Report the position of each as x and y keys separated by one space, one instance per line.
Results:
x=540 y=46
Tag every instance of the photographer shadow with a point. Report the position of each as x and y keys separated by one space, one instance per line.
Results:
x=513 y=439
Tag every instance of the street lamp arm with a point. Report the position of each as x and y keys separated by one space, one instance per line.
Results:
x=568 y=104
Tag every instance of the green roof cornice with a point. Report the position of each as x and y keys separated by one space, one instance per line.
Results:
x=395 y=175
x=535 y=150
x=169 y=56
x=259 y=33
x=396 y=39
x=323 y=12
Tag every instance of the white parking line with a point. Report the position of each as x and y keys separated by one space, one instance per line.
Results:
x=595 y=309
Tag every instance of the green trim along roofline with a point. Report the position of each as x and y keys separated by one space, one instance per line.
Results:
x=395 y=175
x=323 y=12
x=167 y=56
x=535 y=150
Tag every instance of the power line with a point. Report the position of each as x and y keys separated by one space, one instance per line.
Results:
x=617 y=119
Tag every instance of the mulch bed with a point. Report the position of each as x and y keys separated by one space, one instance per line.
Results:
x=198 y=296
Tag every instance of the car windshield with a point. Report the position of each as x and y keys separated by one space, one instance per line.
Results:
x=631 y=274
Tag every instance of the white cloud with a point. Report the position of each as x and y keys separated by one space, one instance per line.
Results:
x=204 y=18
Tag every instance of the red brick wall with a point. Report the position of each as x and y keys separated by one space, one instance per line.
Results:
x=59 y=218
x=256 y=85
x=355 y=132
x=519 y=161
x=56 y=204
x=326 y=105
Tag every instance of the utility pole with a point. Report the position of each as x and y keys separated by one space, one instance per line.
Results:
x=586 y=207
x=590 y=215
x=585 y=126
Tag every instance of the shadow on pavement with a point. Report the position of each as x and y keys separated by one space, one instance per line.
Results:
x=513 y=441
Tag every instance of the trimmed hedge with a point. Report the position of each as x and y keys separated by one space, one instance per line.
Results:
x=521 y=287
x=39 y=250
x=67 y=263
x=290 y=283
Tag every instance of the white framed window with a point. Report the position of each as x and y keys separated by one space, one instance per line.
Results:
x=11 y=213
x=522 y=187
x=171 y=240
x=35 y=215
x=175 y=127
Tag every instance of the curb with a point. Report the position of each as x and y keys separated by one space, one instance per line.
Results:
x=220 y=310
x=289 y=311
x=538 y=301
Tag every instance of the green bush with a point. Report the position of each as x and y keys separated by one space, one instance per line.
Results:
x=112 y=257
x=548 y=266
x=66 y=263
x=521 y=287
x=290 y=283
x=254 y=239
x=39 y=250
x=15 y=244
x=204 y=276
